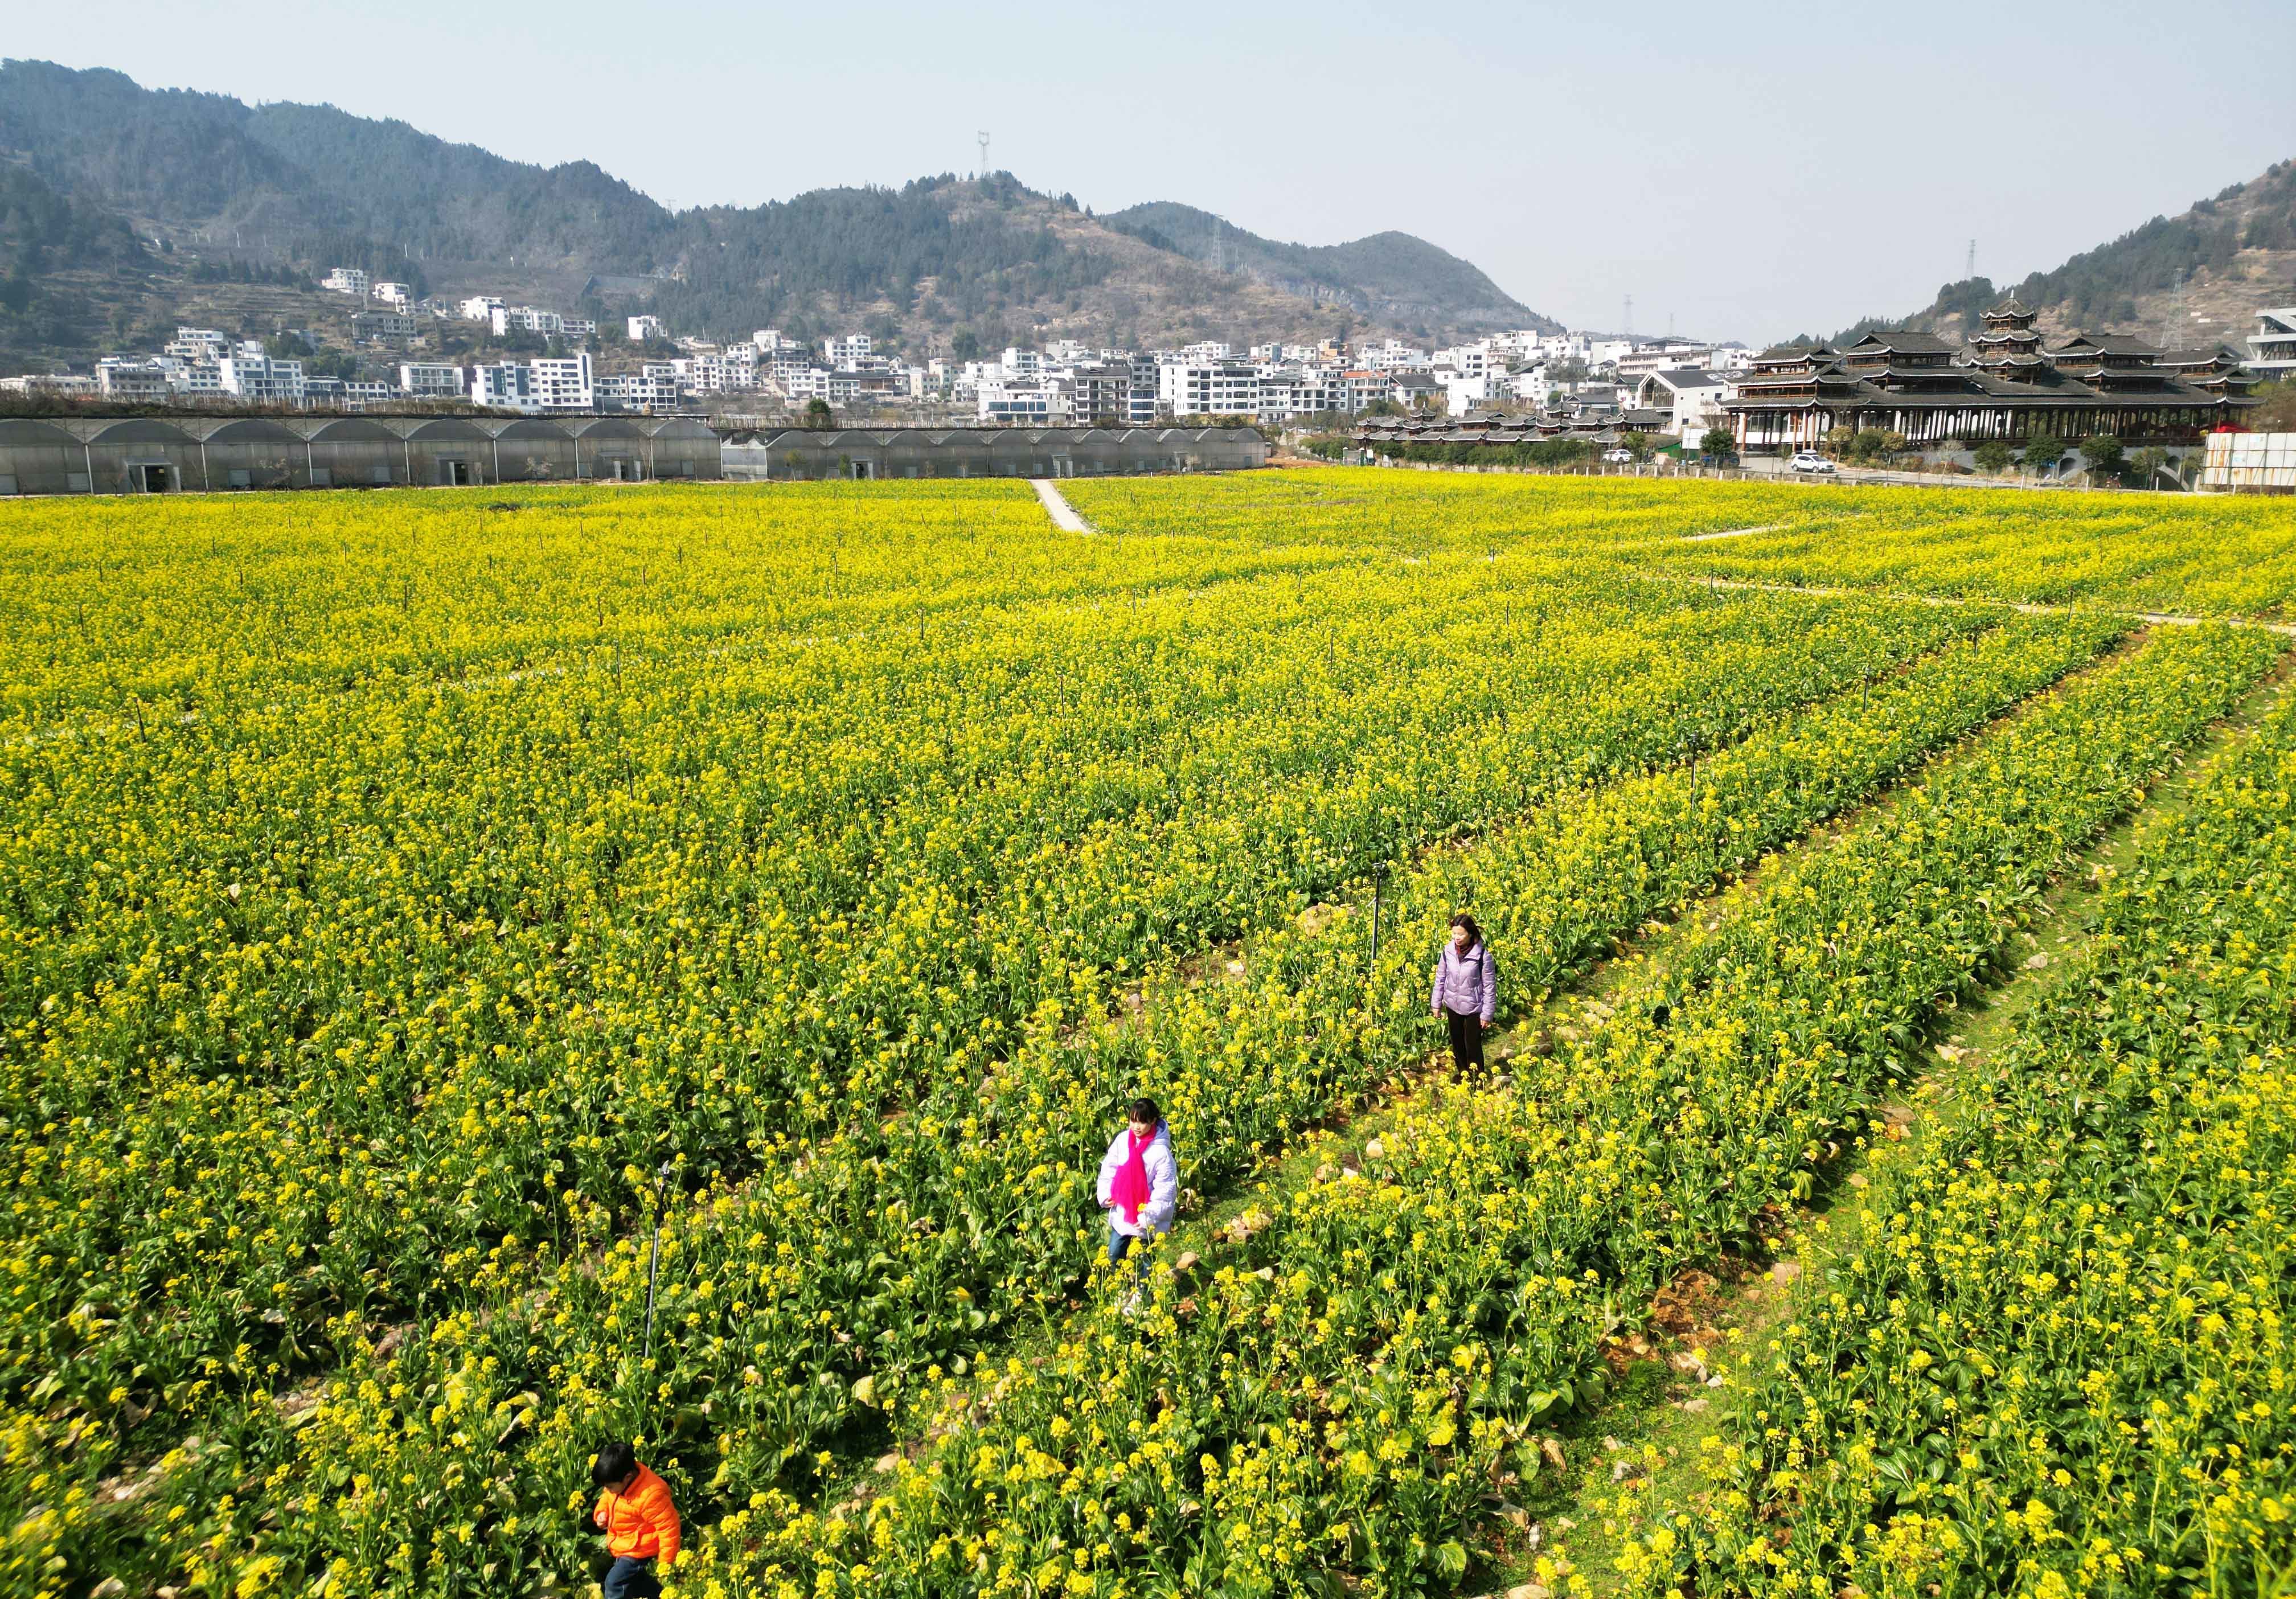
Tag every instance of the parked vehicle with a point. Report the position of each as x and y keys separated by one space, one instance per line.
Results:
x=1811 y=461
x=1618 y=458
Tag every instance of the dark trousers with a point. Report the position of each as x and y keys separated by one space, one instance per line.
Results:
x=628 y=1578
x=1466 y=1038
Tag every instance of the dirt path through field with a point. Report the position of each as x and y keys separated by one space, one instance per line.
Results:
x=2024 y=607
x=1638 y=1456
x=1064 y=515
x=1226 y=1214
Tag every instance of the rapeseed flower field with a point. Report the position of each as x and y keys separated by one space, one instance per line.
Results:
x=398 y=892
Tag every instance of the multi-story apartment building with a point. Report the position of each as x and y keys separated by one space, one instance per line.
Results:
x=1391 y=354
x=1101 y=392
x=125 y=378
x=1186 y=388
x=563 y=383
x=481 y=308
x=429 y=380
x=193 y=380
x=346 y=280
x=401 y=295
x=503 y=385
x=382 y=326
x=2272 y=348
x=198 y=344
x=1317 y=390
x=701 y=374
x=643 y=328
x=654 y=389
x=1660 y=355
x=850 y=351
x=527 y=319
x=256 y=377
x=1470 y=360
x=1022 y=402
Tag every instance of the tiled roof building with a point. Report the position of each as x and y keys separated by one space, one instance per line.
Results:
x=2003 y=386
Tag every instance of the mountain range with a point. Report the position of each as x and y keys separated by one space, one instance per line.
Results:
x=2196 y=279
x=123 y=210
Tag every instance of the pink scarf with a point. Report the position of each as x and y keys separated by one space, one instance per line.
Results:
x=1129 y=1189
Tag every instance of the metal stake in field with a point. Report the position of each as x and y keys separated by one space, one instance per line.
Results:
x=1379 y=871
x=653 y=1271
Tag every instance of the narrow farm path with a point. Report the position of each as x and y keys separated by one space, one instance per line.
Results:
x=1065 y=516
x=1225 y=1215
x=2164 y=619
x=1637 y=1458
x=1732 y=533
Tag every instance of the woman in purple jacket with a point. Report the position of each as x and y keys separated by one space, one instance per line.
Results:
x=1466 y=990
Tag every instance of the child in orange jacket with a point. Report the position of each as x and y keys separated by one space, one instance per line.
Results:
x=640 y=1523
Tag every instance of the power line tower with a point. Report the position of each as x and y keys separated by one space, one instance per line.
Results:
x=2174 y=320
x=1629 y=329
x=1969 y=267
x=983 y=137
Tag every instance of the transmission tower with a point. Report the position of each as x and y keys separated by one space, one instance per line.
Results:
x=1629 y=329
x=983 y=137
x=1969 y=268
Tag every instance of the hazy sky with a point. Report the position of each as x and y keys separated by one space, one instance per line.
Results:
x=1744 y=170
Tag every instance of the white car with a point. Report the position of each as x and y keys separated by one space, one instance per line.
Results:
x=1619 y=457
x=1811 y=461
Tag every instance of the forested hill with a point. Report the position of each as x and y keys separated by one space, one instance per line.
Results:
x=2196 y=278
x=203 y=184
x=1390 y=274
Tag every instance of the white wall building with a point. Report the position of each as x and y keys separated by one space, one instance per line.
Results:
x=1186 y=388
x=655 y=388
x=848 y=351
x=346 y=280
x=701 y=374
x=562 y=383
x=1022 y=402
x=1467 y=391
x=195 y=380
x=2272 y=348
x=259 y=378
x=643 y=328
x=429 y=380
x=125 y=378
x=527 y=319
x=1639 y=363
x=1391 y=354
x=401 y=295
x=198 y=344
x=1691 y=397
x=504 y=385
x=481 y=308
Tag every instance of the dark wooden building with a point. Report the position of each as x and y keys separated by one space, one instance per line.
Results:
x=2004 y=385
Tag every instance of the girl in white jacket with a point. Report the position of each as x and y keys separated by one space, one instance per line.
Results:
x=1139 y=1180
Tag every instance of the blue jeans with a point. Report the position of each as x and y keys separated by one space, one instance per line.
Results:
x=631 y=1578
x=1119 y=1244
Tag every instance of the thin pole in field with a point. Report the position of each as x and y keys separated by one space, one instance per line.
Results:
x=653 y=1272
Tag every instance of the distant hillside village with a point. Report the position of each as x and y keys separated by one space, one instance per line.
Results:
x=1062 y=383
x=1524 y=385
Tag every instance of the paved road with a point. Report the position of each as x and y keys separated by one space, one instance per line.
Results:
x=1064 y=515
